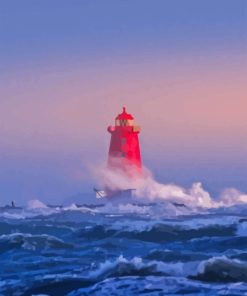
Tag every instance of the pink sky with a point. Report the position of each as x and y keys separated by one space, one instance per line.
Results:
x=173 y=100
x=192 y=112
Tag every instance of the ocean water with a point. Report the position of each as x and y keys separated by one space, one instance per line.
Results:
x=125 y=249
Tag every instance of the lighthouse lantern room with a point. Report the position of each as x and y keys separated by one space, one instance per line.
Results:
x=124 y=151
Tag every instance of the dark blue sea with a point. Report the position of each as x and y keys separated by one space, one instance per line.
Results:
x=123 y=249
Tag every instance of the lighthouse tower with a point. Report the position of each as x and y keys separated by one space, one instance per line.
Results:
x=124 y=159
x=124 y=152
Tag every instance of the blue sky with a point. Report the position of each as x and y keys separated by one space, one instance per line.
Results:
x=47 y=29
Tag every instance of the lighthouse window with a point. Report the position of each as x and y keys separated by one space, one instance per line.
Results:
x=123 y=122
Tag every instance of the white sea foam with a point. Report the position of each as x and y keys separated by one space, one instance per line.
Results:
x=36 y=204
x=232 y=196
x=122 y=266
x=74 y=207
x=148 y=189
x=29 y=241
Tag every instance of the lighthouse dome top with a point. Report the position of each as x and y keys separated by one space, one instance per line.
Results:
x=124 y=115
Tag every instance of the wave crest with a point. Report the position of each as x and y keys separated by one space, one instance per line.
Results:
x=30 y=242
x=135 y=267
x=222 y=269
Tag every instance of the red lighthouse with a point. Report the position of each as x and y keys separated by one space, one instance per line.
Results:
x=124 y=158
x=124 y=151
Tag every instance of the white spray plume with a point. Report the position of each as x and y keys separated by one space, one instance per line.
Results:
x=232 y=196
x=148 y=189
x=35 y=204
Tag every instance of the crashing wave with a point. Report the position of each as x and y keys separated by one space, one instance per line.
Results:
x=36 y=204
x=119 y=268
x=222 y=269
x=148 y=189
x=74 y=207
x=135 y=267
x=30 y=242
